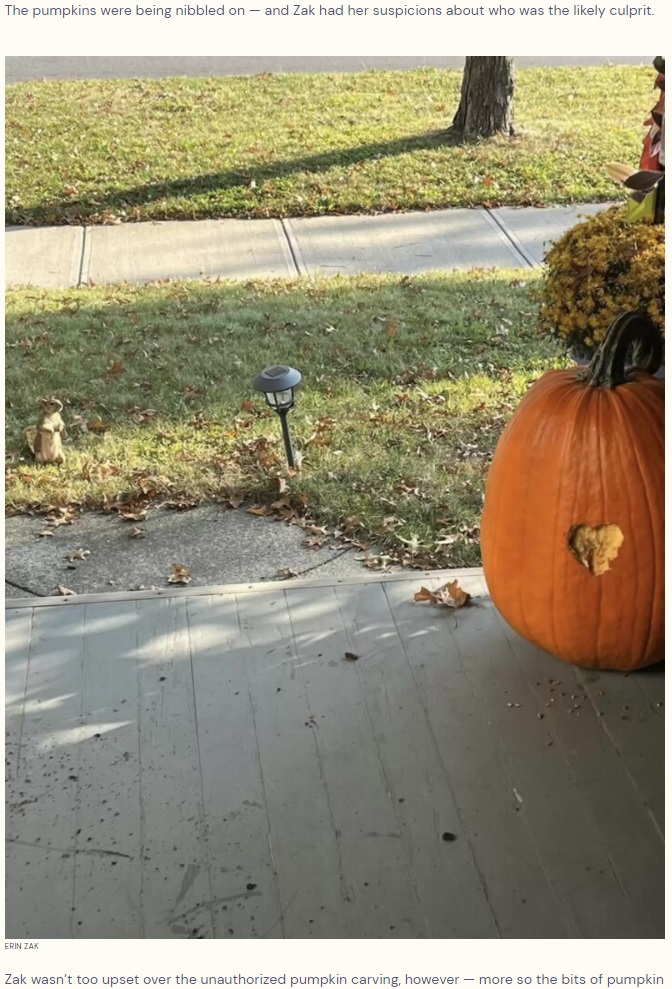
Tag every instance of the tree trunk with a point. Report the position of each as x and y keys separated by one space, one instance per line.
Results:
x=486 y=101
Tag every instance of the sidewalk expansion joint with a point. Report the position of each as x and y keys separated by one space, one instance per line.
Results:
x=85 y=260
x=294 y=249
x=512 y=241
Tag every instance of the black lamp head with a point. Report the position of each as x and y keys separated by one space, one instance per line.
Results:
x=278 y=384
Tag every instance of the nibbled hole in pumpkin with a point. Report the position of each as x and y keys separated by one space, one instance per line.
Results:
x=595 y=547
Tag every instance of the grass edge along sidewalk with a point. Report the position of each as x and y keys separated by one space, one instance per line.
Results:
x=407 y=385
x=105 y=152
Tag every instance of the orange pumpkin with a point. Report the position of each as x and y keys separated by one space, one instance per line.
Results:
x=572 y=533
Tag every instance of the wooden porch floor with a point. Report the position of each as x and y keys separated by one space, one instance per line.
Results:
x=210 y=765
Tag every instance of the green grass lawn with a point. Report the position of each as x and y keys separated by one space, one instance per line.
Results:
x=407 y=385
x=298 y=145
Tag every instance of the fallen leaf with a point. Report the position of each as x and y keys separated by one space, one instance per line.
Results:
x=457 y=596
x=65 y=591
x=247 y=405
x=47 y=534
x=180 y=574
x=285 y=573
x=451 y=595
x=65 y=516
x=413 y=543
x=136 y=532
x=133 y=514
x=314 y=542
x=424 y=594
x=97 y=426
x=115 y=367
x=258 y=510
x=352 y=656
x=141 y=415
x=78 y=554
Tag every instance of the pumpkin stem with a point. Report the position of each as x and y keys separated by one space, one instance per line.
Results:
x=631 y=335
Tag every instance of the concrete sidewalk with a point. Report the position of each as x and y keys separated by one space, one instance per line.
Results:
x=218 y=545
x=397 y=243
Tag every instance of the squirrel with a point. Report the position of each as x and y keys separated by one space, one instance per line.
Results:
x=46 y=439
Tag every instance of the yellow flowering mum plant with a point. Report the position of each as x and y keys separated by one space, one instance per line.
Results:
x=600 y=268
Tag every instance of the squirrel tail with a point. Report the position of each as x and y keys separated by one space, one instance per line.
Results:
x=30 y=435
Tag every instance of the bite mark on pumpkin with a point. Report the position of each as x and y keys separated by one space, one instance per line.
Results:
x=595 y=546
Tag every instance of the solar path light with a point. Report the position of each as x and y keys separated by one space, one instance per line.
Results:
x=278 y=383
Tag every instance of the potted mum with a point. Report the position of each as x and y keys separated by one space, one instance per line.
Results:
x=614 y=262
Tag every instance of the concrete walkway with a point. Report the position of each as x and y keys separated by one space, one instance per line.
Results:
x=397 y=243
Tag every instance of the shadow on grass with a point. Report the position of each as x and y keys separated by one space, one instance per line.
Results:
x=213 y=338
x=69 y=210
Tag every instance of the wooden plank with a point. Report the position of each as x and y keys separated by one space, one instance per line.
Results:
x=245 y=896
x=373 y=858
x=445 y=874
x=478 y=768
x=636 y=731
x=109 y=830
x=176 y=893
x=651 y=682
x=629 y=836
x=17 y=651
x=41 y=829
x=564 y=833
x=314 y=898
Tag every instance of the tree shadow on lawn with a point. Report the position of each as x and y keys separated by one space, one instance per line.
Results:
x=187 y=346
x=79 y=210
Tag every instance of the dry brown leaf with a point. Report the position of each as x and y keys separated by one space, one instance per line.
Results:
x=247 y=405
x=314 y=542
x=458 y=596
x=115 y=367
x=65 y=591
x=258 y=510
x=315 y=530
x=424 y=594
x=47 y=534
x=141 y=415
x=97 y=426
x=285 y=573
x=451 y=595
x=235 y=501
x=351 y=656
x=180 y=574
x=78 y=554
x=133 y=513
x=63 y=516
x=136 y=532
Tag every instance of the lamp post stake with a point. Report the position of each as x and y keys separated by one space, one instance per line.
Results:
x=287 y=437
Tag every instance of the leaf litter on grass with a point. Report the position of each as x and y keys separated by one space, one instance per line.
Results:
x=406 y=492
